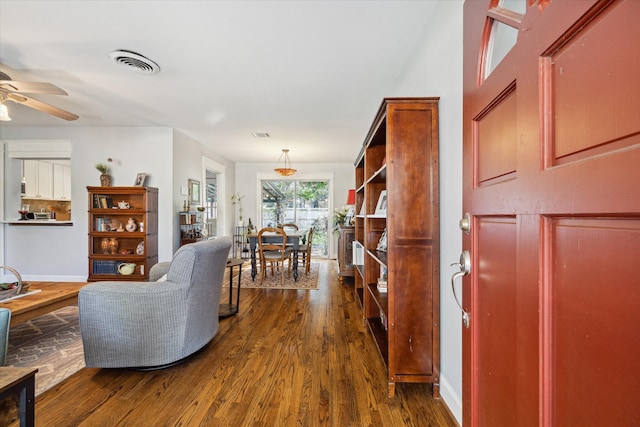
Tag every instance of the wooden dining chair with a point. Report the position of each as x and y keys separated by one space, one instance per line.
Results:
x=273 y=254
x=289 y=227
x=305 y=250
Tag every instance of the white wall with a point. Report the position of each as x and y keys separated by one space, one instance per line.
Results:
x=187 y=162
x=436 y=70
x=247 y=181
x=60 y=253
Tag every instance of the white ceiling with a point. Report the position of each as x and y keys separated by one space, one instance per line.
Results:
x=310 y=73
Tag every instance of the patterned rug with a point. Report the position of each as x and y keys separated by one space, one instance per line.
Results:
x=51 y=343
x=305 y=281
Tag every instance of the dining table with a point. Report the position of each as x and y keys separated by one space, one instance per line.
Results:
x=293 y=239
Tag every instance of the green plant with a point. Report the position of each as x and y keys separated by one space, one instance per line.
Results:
x=102 y=168
x=236 y=199
x=339 y=216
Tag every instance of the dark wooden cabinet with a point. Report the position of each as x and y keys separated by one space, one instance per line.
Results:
x=397 y=228
x=113 y=241
x=345 y=252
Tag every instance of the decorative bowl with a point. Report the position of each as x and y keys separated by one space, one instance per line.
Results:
x=12 y=289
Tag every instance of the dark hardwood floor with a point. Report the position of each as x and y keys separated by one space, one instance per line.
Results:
x=289 y=358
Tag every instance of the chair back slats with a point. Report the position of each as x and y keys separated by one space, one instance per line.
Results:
x=274 y=252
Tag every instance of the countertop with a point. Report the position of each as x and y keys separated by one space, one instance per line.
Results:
x=37 y=222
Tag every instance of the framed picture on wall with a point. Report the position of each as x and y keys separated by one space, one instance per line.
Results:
x=194 y=191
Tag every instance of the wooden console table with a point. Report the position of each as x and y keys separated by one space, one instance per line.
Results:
x=53 y=295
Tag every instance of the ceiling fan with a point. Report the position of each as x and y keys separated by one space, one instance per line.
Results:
x=11 y=90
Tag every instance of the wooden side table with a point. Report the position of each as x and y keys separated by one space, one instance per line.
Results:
x=20 y=381
x=227 y=310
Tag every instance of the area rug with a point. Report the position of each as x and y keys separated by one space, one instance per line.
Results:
x=51 y=343
x=305 y=281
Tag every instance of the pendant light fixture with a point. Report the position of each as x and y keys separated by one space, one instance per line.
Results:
x=286 y=169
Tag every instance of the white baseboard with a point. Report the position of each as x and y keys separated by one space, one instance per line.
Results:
x=451 y=399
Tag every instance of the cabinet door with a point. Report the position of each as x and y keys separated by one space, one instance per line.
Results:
x=45 y=180
x=30 y=174
x=61 y=182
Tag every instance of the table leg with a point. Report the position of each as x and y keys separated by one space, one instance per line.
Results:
x=231 y=285
x=27 y=403
x=295 y=264
x=238 y=296
x=253 y=261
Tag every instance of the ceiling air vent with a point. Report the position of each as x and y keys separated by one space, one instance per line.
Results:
x=134 y=62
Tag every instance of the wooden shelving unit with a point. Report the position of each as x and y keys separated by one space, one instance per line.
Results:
x=191 y=226
x=400 y=156
x=110 y=243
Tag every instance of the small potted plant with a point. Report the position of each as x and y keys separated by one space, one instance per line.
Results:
x=236 y=199
x=105 y=178
x=339 y=217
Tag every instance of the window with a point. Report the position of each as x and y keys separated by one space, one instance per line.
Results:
x=302 y=202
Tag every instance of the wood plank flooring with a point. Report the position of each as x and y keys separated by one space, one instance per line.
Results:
x=289 y=358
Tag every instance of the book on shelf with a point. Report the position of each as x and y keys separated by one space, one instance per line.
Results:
x=103 y=224
x=382 y=280
x=382 y=287
x=358 y=252
x=104 y=267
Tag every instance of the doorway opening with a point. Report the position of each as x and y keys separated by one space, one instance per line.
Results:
x=213 y=194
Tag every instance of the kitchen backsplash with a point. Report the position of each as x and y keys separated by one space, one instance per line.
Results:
x=60 y=207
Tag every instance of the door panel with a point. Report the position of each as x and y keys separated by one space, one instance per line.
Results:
x=551 y=155
x=495 y=310
x=497 y=140
x=594 y=335
x=592 y=59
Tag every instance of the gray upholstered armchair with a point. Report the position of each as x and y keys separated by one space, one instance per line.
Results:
x=156 y=323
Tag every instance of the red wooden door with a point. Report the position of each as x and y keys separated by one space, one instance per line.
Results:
x=552 y=186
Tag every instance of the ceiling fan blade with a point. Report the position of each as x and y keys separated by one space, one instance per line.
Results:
x=41 y=106
x=9 y=86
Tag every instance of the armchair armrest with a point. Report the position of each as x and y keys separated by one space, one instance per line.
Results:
x=158 y=270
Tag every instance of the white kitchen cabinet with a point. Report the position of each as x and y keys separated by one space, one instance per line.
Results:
x=61 y=182
x=30 y=174
x=39 y=179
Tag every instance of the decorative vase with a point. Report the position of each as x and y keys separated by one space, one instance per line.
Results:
x=104 y=245
x=131 y=225
x=113 y=245
x=105 y=180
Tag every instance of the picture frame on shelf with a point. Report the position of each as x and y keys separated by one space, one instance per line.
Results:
x=382 y=243
x=381 y=206
x=194 y=191
x=140 y=179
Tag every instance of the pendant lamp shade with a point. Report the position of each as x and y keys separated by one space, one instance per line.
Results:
x=285 y=169
x=4 y=113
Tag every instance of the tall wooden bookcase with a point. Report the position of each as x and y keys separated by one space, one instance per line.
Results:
x=110 y=243
x=400 y=157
